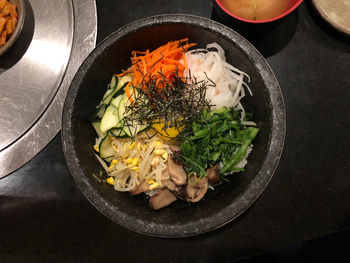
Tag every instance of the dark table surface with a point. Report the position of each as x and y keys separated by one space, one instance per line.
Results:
x=44 y=216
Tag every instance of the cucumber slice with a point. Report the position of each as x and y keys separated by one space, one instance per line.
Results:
x=131 y=129
x=110 y=119
x=120 y=91
x=133 y=93
x=114 y=82
x=106 y=150
x=124 y=102
x=96 y=126
x=100 y=110
x=143 y=126
x=108 y=92
x=134 y=128
x=118 y=132
x=121 y=84
x=115 y=102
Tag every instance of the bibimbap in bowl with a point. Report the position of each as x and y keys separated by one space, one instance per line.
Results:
x=173 y=125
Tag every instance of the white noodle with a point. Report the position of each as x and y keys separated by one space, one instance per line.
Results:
x=229 y=81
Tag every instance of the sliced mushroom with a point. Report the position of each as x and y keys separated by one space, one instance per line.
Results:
x=177 y=172
x=161 y=199
x=176 y=151
x=174 y=148
x=143 y=187
x=195 y=192
x=169 y=184
x=214 y=175
x=166 y=180
x=180 y=192
x=165 y=174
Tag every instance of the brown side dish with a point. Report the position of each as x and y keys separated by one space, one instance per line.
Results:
x=8 y=20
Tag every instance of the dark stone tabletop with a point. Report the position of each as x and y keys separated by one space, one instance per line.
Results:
x=44 y=217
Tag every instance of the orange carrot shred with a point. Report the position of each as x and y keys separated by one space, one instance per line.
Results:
x=127 y=92
x=165 y=61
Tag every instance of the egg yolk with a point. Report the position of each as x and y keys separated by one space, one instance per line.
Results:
x=166 y=133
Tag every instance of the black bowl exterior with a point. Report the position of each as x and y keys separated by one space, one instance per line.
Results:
x=228 y=200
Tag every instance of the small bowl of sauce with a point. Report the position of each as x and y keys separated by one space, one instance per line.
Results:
x=258 y=11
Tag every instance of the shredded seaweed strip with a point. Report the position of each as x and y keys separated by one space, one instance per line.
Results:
x=176 y=102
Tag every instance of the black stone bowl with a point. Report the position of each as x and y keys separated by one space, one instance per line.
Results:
x=228 y=200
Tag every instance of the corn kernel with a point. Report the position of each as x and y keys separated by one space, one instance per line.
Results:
x=135 y=161
x=129 y=160
x=125 y=156
x=155 y=161
x=139 y=146
x=134 y=168
x=96 y=148
x=159 y=143
x=159 y=151
x=115 y=161
x=165 y=156
x=111 y=166
x=150 y=181
x=153 y=186
x=131 y=145
x=110 y=180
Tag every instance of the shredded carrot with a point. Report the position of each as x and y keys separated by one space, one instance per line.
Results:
x=184 y=59
x=162 y=63
x=127 y=92
x=126 y=72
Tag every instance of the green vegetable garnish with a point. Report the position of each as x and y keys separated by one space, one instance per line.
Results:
x=217 y=136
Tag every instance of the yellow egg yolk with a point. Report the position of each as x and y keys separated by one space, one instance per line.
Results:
x=166 y=133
